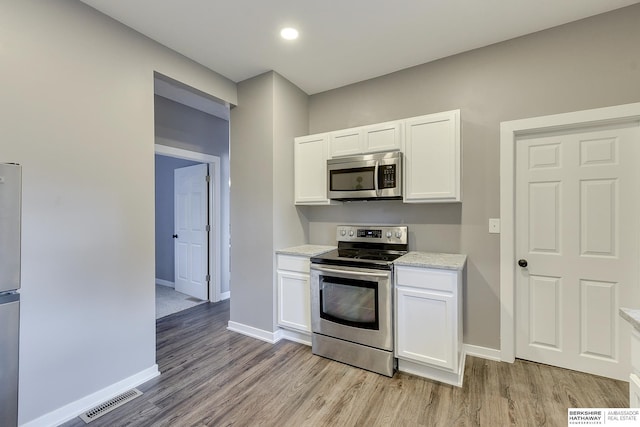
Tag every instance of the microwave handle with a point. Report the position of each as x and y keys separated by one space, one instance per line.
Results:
x=375 y=179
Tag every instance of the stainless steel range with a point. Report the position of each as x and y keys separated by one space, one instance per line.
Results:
x=352 y=297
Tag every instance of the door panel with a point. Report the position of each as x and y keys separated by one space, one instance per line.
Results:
x=544 y=328
x=191 y=253
x=598 y=217
x=544 y=217
x=577 y=225
x=599 y=316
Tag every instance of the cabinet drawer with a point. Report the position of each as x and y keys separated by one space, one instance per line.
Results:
x=427 y=278
x=293 y=263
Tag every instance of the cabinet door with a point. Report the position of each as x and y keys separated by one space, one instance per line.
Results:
x=425 y=327
x=432 y=158
x=382 y=137
x=310 y=170
x=294 y=303
x=346 y=142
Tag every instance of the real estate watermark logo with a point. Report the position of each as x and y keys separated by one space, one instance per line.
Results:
x=603 y=416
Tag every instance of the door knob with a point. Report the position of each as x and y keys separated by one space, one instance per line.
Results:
x=175 y=236
x=522 y=263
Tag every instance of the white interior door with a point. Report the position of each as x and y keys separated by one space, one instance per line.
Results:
x=576 y=223
x=191 y=236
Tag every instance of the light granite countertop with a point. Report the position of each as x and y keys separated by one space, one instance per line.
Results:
x=631 y=315
x=432 y=260
x=306 y=250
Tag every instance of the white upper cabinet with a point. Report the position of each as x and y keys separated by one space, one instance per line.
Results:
x=366 y=139
x=347 y=142
x=383 y=137
x=310 y=170
x=432 y=152
x=432 y=157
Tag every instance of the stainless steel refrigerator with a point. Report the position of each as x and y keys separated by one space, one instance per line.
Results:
x=10 y=214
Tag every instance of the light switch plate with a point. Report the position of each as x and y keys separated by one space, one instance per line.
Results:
x=494 y=225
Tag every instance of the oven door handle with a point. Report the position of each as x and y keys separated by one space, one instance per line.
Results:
x=349 y=272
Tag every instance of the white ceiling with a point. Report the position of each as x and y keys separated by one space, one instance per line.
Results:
x=341 y=41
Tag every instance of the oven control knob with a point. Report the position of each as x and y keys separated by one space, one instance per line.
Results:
x=351 y=233
x=343 y=232
x=398 y=234
x=389 y=234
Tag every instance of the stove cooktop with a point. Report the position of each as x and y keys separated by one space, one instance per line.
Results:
x=366 y=247
x=359 y=258
x=362 y=255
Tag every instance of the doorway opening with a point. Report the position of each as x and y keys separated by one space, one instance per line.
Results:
x=172 y=298
x=191 y=129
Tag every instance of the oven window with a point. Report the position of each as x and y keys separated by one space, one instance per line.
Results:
x=356 y=179
x=349 y=302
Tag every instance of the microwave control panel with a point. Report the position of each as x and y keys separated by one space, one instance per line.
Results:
x=387 y=176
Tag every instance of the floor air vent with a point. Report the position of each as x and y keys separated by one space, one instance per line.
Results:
x=110 y=405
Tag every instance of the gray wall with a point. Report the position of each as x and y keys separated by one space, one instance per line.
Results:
x=180 y=126
x=586 y=64
x=165 y=225
x=290 y=119
x=77 y=112
x=252 y=203
x=270 y=112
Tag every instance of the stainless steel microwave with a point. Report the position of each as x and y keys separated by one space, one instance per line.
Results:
x=365 y=177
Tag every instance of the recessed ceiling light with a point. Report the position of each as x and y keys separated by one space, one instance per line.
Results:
x=289 y=33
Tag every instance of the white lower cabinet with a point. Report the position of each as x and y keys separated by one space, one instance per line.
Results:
x=295 y=310
x=428 y=318
x=425 y=327
x=294 y=303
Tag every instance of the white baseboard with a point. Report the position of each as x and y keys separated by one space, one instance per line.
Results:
x=295 y=336
x=165 y=283
x=73 y=409
x=433 y=373
x=225 y=295
x=302 y=338
x=270 y=337
x=482 y=352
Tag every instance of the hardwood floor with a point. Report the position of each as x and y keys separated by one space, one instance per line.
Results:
x=214 y=377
